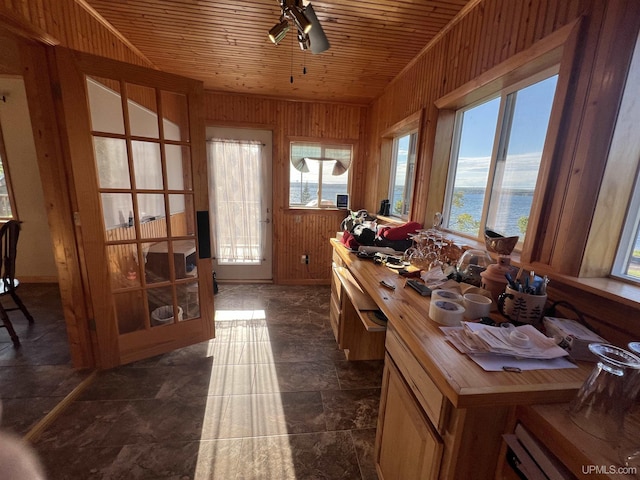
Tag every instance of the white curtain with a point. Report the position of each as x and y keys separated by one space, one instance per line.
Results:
x=235 y=173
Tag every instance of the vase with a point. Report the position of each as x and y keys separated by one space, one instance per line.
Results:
x=608 y=394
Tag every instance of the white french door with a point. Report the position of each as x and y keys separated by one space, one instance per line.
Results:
x=239 y=164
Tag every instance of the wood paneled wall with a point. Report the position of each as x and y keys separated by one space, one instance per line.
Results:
x=487 y=36
x=298 y=231
x=68 y=23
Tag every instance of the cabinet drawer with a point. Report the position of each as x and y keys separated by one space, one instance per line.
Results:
x=336 y=259
x=426 y=392
x=336 y=286
x=334 y=317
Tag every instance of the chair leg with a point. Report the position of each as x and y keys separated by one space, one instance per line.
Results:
x=21 y=306
x=9 y=327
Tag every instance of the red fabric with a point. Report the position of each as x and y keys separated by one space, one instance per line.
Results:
x=349 y=240
x=399 y=233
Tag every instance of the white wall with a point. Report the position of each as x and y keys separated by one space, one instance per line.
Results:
x=35 y=250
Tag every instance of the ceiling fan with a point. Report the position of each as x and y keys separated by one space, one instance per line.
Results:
x=310 y=34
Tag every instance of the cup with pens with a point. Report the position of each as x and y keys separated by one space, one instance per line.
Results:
x=524 y=301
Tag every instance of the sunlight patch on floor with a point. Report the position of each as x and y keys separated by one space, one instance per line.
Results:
x=236 y=413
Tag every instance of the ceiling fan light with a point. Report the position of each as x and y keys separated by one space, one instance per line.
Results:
x=303 y=41
x=300 y=19
x=278 y=31
x=317 y=39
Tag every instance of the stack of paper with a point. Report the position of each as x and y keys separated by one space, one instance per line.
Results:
x=524 y=341
x=525 y=347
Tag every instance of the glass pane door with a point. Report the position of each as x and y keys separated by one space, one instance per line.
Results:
x=136 y=140
x=144 y=180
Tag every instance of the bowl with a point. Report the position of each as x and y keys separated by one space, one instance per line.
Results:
x=496 y=243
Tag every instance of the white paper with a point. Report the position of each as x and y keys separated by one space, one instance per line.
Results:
x=495 y=363
x=521 y=342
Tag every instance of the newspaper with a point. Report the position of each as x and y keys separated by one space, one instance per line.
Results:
x=520 y=342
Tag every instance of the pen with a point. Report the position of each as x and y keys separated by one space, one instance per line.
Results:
x=507 y=368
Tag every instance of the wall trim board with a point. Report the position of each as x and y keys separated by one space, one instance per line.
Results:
x=24 y=29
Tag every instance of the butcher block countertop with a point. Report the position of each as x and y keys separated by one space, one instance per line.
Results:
x=460 y=379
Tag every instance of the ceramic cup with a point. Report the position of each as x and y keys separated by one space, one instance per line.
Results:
x=521 y=307
x=476 y=306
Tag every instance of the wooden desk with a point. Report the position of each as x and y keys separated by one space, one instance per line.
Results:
x=465 y=409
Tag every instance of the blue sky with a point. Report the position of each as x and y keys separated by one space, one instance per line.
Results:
x=529 y=127
x=530 y=121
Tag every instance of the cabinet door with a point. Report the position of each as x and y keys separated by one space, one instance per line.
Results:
x=407 y=446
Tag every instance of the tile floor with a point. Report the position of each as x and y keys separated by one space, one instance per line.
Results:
x=270 y=398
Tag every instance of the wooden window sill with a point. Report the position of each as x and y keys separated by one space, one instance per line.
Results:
x=609 y=288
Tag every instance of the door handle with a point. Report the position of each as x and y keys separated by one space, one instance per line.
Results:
x=265 y=221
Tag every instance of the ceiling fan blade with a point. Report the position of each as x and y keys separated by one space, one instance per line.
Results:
x=318 y=39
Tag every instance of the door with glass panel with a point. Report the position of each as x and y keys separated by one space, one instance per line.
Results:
x=137 y=149
x=240 y=194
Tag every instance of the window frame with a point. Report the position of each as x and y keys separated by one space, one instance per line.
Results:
x=620 y=187
x=324 y=144
x=630 y=231
x=410 y=174
x=413 y=122
x=7 y=176
x=502 y=132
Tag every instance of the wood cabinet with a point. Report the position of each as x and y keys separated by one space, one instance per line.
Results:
x=456 y=434
x=352 y=317
x=336 y=297
x=441 y=416
x=407 y=445
x=574 y=451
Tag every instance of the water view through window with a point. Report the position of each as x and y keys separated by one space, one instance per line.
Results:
x=506 y=165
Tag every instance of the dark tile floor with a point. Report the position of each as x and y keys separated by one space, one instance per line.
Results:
x=38 y=375
x=270 y=398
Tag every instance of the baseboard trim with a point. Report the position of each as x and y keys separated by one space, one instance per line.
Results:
x=35 y=432
x=321 y=281
x=37 y=279
x=240 y=282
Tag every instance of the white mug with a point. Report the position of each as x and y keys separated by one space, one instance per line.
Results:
x=476 y=306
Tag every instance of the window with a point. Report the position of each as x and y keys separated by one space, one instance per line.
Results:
x=318 y=173
x=7 y=210
x=402 y=174
x=495 y=158
x=627 y=262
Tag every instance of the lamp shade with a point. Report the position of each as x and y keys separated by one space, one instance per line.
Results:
x=317 y=38
x=278 y=31
x=300 y=19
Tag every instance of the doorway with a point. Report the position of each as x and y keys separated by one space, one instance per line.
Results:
x=240 y=192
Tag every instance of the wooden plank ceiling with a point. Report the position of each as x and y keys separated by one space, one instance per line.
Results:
x=225 y=44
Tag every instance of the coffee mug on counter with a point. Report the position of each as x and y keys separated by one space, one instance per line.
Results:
x=521 y=307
